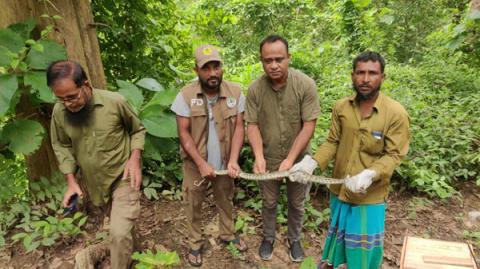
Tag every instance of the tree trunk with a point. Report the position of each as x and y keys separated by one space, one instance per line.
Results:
x=475 y=4
x=76 y=31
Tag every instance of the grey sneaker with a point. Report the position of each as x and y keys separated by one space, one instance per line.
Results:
x=266 y=249
x=296 y=251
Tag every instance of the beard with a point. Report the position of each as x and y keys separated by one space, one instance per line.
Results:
x=82 y=116
x=361 y=96
x=211 y=84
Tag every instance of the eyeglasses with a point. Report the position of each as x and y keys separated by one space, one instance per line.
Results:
x=71 y=99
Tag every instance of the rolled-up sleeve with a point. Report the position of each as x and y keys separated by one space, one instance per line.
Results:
x=62 y=146
x=133 y=125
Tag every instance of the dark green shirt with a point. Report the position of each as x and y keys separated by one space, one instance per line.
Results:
x=280 y=114
x=101 y=146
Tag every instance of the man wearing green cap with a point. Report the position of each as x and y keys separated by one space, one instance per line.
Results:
x=210 y=127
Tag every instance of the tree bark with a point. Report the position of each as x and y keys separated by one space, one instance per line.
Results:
x=475 y=4
x=91 y=255
x=76 y=32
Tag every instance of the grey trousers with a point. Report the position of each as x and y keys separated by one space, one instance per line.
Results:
x=296 y=194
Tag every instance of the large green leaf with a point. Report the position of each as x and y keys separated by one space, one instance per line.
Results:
x=361 y=3
x=156 y=146
x=24 y=28
x=6 y=56
x=158 y=123
x=52 y=51
x=150 y=84
x=164 y=98
x=23 y=136
x=125 y=84
x=11 y=40
x=38 y=81
x=132 y=93
x=8 y=86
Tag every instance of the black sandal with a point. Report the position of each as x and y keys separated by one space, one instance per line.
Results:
x=197 y=253
x=237 y=243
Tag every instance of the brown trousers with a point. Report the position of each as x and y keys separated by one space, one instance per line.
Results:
x=194 y=196
x=296 y=195
x=124 y=208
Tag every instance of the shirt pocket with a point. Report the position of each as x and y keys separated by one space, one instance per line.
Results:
x=373 y=142
x=107 y=139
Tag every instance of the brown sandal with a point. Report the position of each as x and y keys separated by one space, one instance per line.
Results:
x=197 y=253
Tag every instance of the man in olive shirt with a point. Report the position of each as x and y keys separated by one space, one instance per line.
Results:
x=95 y=134
x=368 y=138
x=281 y=111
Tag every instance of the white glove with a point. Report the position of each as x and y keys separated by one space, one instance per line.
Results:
x=361 y=181
x=307 y=164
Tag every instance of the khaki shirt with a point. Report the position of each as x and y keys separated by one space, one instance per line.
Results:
x=101 y=147
x=280 y=114
x=378 y=142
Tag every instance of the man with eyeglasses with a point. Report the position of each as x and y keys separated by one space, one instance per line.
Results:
x=281 y=111
x=98 y=140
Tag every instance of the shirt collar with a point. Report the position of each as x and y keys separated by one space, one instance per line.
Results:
x=377 y=105
x=96 y=97
x=289 y=79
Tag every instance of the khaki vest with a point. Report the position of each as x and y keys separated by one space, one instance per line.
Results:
x=224 y=115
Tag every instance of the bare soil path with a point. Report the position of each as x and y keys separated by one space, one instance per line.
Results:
x=162 y=227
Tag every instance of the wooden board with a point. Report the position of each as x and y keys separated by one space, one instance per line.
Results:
x=436 y=254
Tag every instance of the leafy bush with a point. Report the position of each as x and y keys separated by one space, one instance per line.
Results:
x=162 y=259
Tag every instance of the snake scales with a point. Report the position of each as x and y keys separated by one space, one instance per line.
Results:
x=298 y=176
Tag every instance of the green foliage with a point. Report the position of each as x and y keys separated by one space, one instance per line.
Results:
x=162 y=259
x=315 y=218
x=242 y=223
x=474 y=235
x=141 y=38
x=236 y=254
x=464 y=36
x=308 y=263
x=35 y=215
x=22 y=64
x=14 y=182
x=22 y=136
x=154 y=114
x=47 y=231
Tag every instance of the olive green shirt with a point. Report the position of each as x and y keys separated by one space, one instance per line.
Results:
x=280 y=114
x=378 y=142
x=101 y=147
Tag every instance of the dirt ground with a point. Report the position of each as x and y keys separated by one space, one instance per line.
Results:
x=162 y=227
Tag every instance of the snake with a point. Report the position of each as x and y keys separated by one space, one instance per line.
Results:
x=298 y=176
